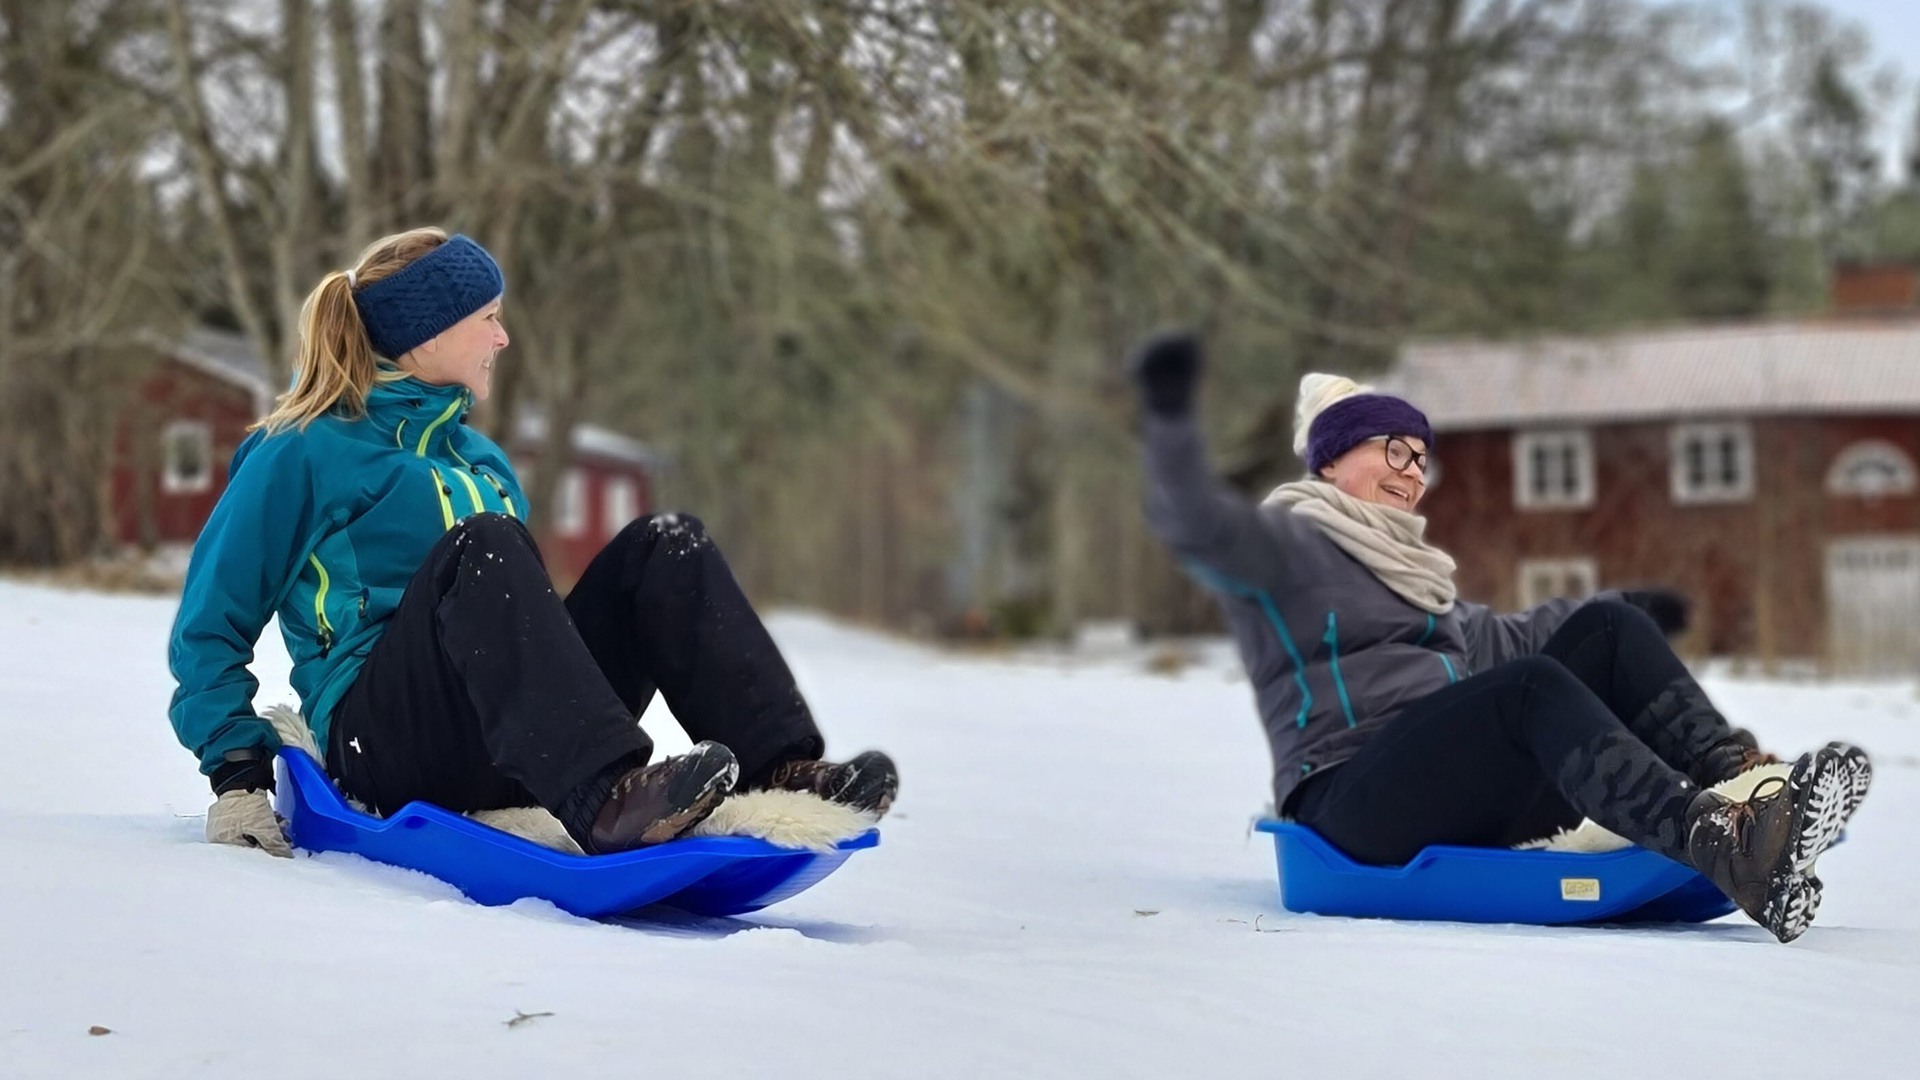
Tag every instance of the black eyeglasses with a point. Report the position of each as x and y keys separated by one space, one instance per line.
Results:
x=1400 y=454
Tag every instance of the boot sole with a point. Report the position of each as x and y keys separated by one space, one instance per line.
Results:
x=698 y=792
x=1791 y=905
x=1820 y=788
x=1859 y=772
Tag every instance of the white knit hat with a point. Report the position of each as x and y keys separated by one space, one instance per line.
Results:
x=1317 y=391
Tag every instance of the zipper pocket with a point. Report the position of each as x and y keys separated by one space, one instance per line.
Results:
x=444 y=493
x=323 y=625
x=500 y=489
x=473 y=491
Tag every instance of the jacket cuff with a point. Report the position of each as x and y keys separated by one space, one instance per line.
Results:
x=243 y=770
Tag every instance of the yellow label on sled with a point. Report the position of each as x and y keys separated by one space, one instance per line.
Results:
x=1580 y=888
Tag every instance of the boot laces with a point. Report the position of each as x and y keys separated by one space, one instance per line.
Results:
x=806 y=771
x=1742 y=815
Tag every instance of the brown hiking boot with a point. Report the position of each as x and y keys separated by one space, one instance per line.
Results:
x=660 y=802
x=1760 y=851
x=867 y=783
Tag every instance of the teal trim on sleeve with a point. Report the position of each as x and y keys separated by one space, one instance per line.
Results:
x=1339 y=681
x=1220 y=582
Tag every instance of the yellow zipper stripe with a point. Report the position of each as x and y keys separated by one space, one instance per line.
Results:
x=446 y=504
x=498 y=488
x=421 y=450
x=473 y=491
x=320 y=597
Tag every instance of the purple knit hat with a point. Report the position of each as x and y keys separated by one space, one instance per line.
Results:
x=1351 y=421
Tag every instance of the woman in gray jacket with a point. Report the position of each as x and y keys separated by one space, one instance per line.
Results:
x=1400 y=716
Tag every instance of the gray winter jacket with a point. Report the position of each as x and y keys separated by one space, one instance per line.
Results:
x=1332 y=653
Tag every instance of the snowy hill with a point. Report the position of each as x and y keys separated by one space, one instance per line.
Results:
x=1067 y=888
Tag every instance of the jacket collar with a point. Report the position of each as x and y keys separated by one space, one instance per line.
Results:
x=412 y=409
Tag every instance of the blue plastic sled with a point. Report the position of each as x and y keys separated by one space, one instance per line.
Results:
x=1492 y=885
x=718 y=875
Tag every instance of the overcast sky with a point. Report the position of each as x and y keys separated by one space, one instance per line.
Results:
x=1894 y=27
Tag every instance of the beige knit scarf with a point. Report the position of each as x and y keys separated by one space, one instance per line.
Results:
x=1389 y=542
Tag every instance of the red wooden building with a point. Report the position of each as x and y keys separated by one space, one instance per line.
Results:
x=1767 y=470
x=172 y=445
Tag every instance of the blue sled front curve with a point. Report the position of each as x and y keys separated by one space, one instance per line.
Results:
x=716 y=875
x=1491 y=885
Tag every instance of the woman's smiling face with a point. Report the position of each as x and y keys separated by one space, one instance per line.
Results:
x=1366 y=473
x=463 y=354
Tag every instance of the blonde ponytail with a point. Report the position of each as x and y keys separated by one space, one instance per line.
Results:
x=335 y=366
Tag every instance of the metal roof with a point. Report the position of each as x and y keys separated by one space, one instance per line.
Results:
x=1779 y=368
x=227 y=355
x=588 y=440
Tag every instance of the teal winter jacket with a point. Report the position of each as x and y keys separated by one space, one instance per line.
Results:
x=323 y=527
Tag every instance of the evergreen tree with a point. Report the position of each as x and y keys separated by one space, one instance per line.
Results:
x=1835 y=133
x=1720 y=244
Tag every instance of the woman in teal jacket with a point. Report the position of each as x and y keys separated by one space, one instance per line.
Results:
x=432 y=657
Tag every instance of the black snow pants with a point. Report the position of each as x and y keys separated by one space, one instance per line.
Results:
x=486 y=691
x=1605 y=722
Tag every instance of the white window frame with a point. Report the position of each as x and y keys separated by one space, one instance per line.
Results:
x=1875 y=451
x=621 y=496
x=1685 y=491
x=1526 y=442
x=572 y=517
x=172 y=481
x=1582 y=569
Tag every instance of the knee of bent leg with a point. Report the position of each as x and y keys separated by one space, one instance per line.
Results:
x=493 y=531
x=1596 y=615
x=674 y=532
x=1619 y=613
x=1611 y=611
x=1546 y=675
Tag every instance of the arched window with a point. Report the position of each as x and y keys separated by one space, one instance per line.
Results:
x=1871 y=469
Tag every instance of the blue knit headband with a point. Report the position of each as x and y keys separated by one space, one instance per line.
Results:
x=423 y=298
x=1351 y=421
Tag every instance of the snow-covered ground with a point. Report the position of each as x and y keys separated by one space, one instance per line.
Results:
x=1067 y=888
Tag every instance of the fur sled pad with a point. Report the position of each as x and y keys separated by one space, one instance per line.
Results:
x=783 y=818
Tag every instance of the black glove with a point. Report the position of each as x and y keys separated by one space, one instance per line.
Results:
x=1167 y=368
x=250 y=769
x=1669 y=610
